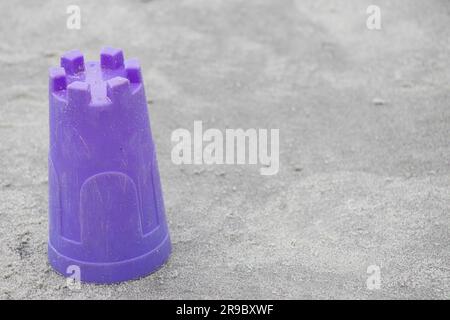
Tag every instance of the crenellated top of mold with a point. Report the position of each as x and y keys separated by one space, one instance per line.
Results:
x=95 y=83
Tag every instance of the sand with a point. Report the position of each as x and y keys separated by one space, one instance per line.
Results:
x=364 y=124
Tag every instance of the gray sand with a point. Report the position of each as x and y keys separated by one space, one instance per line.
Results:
x=364 y=123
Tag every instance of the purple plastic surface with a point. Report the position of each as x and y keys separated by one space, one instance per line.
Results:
x=106 y=210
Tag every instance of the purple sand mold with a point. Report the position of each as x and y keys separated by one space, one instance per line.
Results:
x=106 y=210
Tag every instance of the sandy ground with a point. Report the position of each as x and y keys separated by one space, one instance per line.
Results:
x=364 y=123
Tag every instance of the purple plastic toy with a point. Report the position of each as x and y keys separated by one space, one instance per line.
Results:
x=105 y=202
